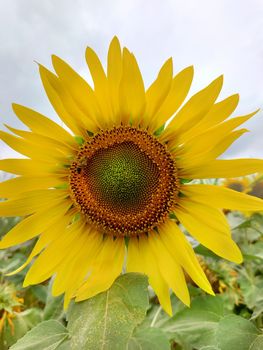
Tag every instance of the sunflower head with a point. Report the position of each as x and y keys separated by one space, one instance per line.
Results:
x=252 y=185
x=124 y=181
x=110 y=189
x=238 y=184
x=256 y=187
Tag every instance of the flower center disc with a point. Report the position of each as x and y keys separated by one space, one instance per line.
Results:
x=124 y=181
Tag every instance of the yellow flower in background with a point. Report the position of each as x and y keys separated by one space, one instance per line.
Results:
x=252 y=185
x=241 y=184
x=106 y=191
x=10 y=305
x=256 y=187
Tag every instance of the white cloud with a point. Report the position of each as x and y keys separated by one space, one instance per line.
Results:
x=216 y=36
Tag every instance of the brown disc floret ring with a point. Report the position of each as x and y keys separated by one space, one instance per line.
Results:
x=124 y=181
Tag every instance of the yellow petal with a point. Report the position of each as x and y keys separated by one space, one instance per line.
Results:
x=30 y=202
x=182 y=251
x=18 y=185
x=213 y=136
x=194 y=109
x=131 y=92
x=45 y=238
x=170 y=270
x=42 y=125
x=222 y=197
x=218 y=113
x=101 y=85
x=107 y=267
x=142 y=259
x=180 y=87
x=79 y=90
x=64 y=105
x=158 y=91
x=224 y=144
x=29 y=149
x=29 y=167
x=214 y=218
x=65 y=280
x=223 y=169
x=210 y=154
x=65 y=272
x=135 y=261
x=96 y=70
x=44 y=141
x=81 y=267
x=35 y=224
x=206 y=225
x=48 y=261
x=114 y=72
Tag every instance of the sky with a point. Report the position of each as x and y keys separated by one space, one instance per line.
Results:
x=216 y=36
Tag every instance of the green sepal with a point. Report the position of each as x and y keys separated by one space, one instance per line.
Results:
x=79 y=139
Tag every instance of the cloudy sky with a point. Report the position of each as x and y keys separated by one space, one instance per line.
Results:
x=216 y=36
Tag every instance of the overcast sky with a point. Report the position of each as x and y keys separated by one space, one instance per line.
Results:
x=223 y=36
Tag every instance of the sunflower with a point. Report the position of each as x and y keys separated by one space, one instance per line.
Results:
x=256 y=187
x=241 y=184
x=106 y=193
x=252 y=185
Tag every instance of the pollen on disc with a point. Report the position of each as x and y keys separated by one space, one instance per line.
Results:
x=122 y=177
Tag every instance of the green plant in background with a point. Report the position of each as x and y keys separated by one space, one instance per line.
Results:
x=17 y=316
x=10 y=306
x=21 y=308
x=232 y=320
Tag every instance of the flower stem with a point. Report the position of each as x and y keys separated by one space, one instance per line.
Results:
x=156 y=316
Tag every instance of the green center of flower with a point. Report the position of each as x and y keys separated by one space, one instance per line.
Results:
x=122 y=175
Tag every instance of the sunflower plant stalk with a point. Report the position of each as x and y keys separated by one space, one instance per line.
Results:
x=106 y=193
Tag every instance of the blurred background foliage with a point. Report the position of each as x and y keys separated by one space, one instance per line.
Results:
x=232 y=320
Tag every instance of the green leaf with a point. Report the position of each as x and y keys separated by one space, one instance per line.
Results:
x=31 y=317
x=40 y=292
x=197 y=325
x=22 y=322
x=48 y=335
x=7 y=223
x=156 y=316
x=255 y=251
x=257 y=343
x=201 y=250
x=235 y=333
x=185 y=181
x=252 y=290
x=65 y=345
x=107 y=320
x=149 y=339
x=54 y=306
x=8 y=337
x=258 y=309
